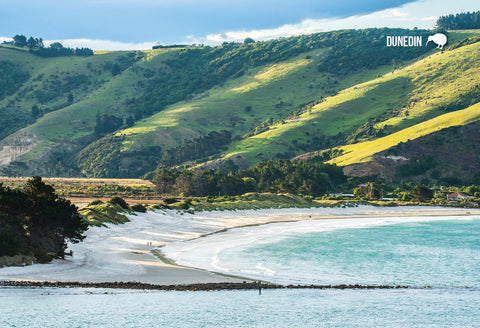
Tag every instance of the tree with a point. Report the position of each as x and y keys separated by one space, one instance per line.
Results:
x=56 y=45
x=52 y=219
x=129 y=121
x=34 y=43
x=19 y=40
x=164 y=181
x=249 y=40
x=462 y=21
x=370 y=191
x=107 y=123
x=35 y=221
x=35 y=111
x=421 y=194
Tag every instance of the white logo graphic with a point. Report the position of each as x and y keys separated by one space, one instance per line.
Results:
x=439 y=38
x=404 y=41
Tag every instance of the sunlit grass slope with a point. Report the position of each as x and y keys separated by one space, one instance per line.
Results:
x=362 y=152
x=405 y=97
x=270 y=92
x=110 y=96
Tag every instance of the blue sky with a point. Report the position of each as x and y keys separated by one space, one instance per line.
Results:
x=122 y=24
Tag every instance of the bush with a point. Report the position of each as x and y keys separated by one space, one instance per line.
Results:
x=139 y=208
x=119 y=201
x=95 y=202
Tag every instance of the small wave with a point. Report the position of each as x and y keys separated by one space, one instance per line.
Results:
x=265 y=270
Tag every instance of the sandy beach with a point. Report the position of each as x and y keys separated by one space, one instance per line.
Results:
x=126 y=252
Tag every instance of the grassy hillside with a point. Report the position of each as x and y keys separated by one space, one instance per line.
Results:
x=123 y=114
x=246 y=106
x=363 y=152
x=442 y=82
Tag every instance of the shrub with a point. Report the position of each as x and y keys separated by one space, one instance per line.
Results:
x=95 y=202
x=139 y=208
x=119 y=201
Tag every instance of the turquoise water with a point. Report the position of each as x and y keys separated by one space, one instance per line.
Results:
x=442 y=254
x=435 y=253
x=49 y=307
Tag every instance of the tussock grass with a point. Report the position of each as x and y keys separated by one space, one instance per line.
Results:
x=98 y=215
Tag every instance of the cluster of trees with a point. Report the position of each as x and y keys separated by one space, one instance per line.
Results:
x=374 y=191
x=416 y=168
x=462 y=21
x=353 y=50
x=196 y=148
x=104 y=158
x=170 y=46
x=12 y=76
x=32 y=43
x=279 y=176
x=56 y=49
x=34 y=221
x=106 y=123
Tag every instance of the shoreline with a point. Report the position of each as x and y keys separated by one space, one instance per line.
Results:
x=122 y=252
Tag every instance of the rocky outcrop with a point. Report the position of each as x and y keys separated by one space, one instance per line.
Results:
x=14 y=147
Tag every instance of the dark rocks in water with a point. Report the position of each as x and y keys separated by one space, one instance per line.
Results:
x=189 y=287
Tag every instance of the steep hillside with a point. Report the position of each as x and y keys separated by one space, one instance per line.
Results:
x=123 y=114
x=247 y=105
x=447 y=157
x=442 y=82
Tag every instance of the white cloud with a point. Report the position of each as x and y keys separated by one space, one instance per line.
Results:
x=102 y=44
x=395 y=12
x=421 y=14
x=96 y=44
x=413 y=14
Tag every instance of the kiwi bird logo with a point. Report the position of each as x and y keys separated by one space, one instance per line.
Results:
x=439 y=38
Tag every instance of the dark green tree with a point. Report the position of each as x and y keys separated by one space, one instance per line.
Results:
x=461 y=21
x=35 y=221
x=129 y=121
x=53 y=219
x=34 y=43
x=370 y=191
x=421 y=194
x=19 y=40
x=35 y=111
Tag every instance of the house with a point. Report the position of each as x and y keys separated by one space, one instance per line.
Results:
x=397 y=158
x=458 y=196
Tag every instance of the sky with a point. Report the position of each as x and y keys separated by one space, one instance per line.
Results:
x=139 y=24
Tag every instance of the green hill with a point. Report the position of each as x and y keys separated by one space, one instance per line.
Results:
x=124 y=114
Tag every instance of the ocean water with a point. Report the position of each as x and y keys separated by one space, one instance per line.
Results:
x=50 y=307
x=440 y=252
x=415 y=251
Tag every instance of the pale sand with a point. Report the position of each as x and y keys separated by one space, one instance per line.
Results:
x=123 y=252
